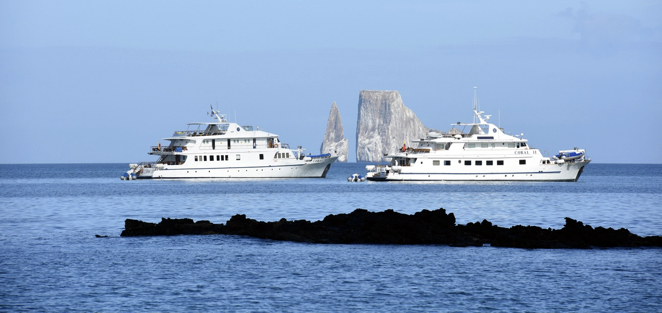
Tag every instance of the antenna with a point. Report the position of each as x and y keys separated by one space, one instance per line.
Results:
x=235 y=115
x=475 y=98
x=476 y=108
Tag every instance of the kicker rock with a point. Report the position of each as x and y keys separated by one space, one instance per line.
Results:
x=334 y=139
x=384 y=123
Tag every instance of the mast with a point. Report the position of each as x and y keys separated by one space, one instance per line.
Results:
x=214 y=114
x=475 y=103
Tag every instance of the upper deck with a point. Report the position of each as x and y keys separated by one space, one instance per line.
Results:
x=480 y=136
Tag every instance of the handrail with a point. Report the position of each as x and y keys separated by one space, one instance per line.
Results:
x=195 y=133
x=169 y=149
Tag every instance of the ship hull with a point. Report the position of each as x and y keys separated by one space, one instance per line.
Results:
x=313 y=169
x=567 y=172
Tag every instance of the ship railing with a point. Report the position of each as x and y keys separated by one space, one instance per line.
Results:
x=146 y=164
x=464 y=135
x=377 y=168
x=180 y=133
x=193 y=133
x=320 y=156
x=168 y=149
x=418 y=150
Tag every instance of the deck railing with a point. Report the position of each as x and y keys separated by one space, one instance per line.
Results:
x=192 y=133
x=168 y=149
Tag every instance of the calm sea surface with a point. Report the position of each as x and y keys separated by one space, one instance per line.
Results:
x=50 y=259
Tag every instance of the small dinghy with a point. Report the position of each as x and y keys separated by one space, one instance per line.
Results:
x=569 y=154
x=355 y=178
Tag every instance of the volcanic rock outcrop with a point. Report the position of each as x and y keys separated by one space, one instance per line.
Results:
x=334 y=139
x=389 y=227
x=383 y=124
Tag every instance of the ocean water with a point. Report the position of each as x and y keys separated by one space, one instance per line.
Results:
x=50 y=259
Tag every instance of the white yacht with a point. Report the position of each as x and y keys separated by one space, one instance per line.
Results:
x=484 y=153
x=226 y=150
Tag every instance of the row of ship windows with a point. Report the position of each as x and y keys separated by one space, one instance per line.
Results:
x=201 y=158
x=477 y=162
x=204 y=158
x=493 y=145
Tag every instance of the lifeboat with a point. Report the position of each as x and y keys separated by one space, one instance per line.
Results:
x=569 y=155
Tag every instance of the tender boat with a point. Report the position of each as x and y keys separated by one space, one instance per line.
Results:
x=569 y=155
x=356 y=178
x=222 y=149
x=484 y=153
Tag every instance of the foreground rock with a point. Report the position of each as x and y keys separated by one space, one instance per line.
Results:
x=383 y=124
x=389 y=227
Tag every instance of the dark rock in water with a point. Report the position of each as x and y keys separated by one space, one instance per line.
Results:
x=168 y=226
x=389 y=227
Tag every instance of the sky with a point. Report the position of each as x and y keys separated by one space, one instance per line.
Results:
x=102 y=81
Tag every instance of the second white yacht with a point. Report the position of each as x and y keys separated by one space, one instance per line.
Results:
x=484 y=153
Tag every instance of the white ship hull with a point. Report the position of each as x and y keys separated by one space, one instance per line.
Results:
x=312 y=169
x=568 y=172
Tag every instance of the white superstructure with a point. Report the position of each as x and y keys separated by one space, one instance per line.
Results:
x=227 y=150
x=484 y=153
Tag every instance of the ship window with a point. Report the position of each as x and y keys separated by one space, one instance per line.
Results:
x=211 y=158
x=287 y=155
x=238 y=157
x=511 y=145
x=471 y=145
x=435 y=162
x=499 y=162
x=478 y=163
x=490 y=162
x=484 y=144
x=205 y=158
x=261 y=156
x=523 y=144
x=447 y=162
x=218 y=158
x=522 y=162
x=227 y=158
x=467 y=162
x=278 y=155
x=196 y=158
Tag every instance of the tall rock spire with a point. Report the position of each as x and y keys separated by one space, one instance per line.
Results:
x=334 y=139
x=383 y=124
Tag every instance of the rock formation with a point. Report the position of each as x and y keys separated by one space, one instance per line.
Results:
x=334 y=139
x=383 y=124
x=389 y=227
